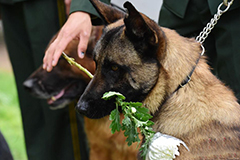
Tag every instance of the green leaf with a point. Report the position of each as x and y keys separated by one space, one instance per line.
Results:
x=142 y=114
x=149 y=123
x=126 y=121
x=143 y=110
x=111 y=94
x=144 y=148
x=135 y=116
x=135 y=104
x=131 y=134
x=115 y=118
x=145 y=145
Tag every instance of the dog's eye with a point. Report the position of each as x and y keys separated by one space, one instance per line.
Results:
x=114 y=67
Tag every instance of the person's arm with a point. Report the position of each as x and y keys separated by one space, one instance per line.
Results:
x=86 y=6
x=79 y=26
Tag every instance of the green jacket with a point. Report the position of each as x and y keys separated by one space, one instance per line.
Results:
x=180 y=10
x=10 y=1
x=76 y=5
x=85 y=6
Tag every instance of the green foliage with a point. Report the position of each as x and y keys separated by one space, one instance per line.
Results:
x=135 y=116
x=10 y=117
x=115 y=118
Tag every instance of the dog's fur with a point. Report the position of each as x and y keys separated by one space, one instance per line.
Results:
x=66 y=83
x=147 y=63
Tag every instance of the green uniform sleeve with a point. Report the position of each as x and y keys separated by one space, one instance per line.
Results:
x=86 y=6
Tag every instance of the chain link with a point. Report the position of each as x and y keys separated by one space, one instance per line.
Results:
x=206 y=30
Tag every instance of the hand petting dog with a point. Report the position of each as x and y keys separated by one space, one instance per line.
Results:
x=78 y=26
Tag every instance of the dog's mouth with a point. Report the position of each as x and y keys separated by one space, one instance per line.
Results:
x=66 y=95
x=60 y=100
x=57 y=96
x=53 y=99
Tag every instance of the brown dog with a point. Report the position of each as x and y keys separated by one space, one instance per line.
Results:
x=66 y=83
x=150 y=64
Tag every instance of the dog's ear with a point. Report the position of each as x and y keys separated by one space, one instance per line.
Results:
x=108 y=13
x=137 y=28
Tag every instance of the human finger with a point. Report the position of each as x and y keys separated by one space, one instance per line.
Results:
x=83 y=43
x=62 y=44
x=67 y=6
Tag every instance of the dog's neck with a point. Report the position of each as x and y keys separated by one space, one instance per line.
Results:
x=189 y=105
x=179 y=61
x=176 y=59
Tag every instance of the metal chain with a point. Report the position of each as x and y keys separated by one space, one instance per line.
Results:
x=206 y=30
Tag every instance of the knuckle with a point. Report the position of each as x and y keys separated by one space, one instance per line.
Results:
x=65 y=32
x=85 y=34
x=56 y=56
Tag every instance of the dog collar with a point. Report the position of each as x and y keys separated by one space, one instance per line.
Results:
x=188 y=78
x=183 y=83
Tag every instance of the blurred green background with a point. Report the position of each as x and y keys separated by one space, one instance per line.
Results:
x=10 y=116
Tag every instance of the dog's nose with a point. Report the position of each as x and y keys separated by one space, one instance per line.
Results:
x=28 y=84
x=82 y=107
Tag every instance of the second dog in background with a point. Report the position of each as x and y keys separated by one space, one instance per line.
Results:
x=66 y=83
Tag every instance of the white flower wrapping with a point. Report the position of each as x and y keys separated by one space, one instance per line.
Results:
x=164 y=147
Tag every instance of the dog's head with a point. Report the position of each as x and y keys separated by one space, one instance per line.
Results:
x=65 y=82
x=127 y=59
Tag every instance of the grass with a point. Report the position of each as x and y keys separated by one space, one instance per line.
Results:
x=10 y=117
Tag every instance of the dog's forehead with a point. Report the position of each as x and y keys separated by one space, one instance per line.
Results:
x=115 y=46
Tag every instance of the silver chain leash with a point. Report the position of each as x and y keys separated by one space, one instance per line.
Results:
x=204 y=34
x=206 y=30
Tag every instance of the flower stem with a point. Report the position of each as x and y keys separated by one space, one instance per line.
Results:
x=71 y=61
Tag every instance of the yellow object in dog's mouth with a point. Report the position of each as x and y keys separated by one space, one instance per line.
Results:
x=56 y=97
x=53 y=98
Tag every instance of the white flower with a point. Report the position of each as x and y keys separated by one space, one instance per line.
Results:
x=133 y=109
x=164 y=147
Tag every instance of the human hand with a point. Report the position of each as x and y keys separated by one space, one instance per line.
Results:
x=67 y=6
x=78 y=26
